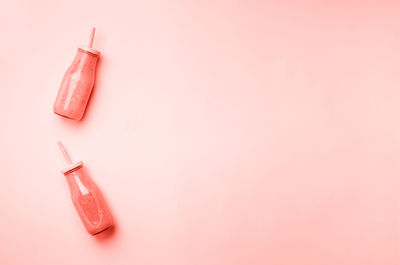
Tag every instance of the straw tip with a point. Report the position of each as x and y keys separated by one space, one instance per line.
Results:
x=91 y=37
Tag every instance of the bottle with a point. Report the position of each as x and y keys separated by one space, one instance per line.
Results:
x=86 y=197
x=77 y=83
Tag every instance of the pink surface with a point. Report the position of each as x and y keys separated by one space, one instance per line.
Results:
x=220 y=132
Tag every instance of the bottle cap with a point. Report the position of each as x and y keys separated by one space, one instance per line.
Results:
x=87 y=49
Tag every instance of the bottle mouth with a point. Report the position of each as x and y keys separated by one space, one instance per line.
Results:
x=72 y=167
x=90 y=50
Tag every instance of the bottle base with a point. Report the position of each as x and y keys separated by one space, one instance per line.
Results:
x=66 y=115
x=101 y=231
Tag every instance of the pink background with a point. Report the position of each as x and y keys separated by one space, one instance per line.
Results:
x=221 y=132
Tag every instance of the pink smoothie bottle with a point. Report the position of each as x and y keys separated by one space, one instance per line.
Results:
x=86 y=196
x=77 y=83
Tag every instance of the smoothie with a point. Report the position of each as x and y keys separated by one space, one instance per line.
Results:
x=86 y=197
x=77 y=84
